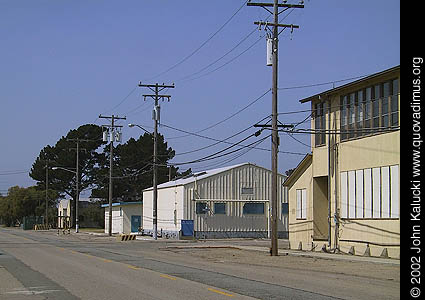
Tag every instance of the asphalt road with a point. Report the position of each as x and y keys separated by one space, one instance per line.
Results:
x=44 y=265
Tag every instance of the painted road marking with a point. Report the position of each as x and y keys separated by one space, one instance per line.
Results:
x=220 y=292
x=168 y=277
x=132 y=267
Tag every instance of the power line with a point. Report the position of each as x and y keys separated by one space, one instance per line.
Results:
x=320 y=84
x=200 y=47
x=231 y=50
x=213 y=156
x=217 y=140
x=228 y=118
x=7 y=173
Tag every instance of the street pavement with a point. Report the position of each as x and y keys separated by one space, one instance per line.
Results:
x=45 y=265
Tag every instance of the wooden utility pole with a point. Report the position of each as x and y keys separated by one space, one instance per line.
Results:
x=111 y=151
x=275 y=137
x=156 y=88
x=46 y=221
x=77 y=178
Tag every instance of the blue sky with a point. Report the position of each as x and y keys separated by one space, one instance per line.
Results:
x=65 y=62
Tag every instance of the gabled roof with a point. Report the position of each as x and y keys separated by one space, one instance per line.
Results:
x=298 y=170
x=200 y=175
x=195 y=176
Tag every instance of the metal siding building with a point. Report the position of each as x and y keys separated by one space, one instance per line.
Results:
x=226 y=202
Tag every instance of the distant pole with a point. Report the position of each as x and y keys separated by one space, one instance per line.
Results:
x=156 y=116
x=77 y=197
x=77 y=179
x=111 y=151
x=47 y=186
x=275 y=136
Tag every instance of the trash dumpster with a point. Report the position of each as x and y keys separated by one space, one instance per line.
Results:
x=187 y=227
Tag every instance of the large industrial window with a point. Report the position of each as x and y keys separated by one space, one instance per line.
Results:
x=369 y=111
x=220 y=208
x=371 y=193
x=253 y=208
x=302 y=204
x=201 y=208
x=319 y=124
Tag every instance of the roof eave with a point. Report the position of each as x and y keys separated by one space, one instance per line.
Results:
x=334 y=90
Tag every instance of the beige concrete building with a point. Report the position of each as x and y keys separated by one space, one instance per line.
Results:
x=346 y=194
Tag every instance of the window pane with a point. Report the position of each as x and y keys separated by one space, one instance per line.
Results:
x=323 y=125
x=395 y=87
x=351 y=119
x=253 y=208
x=377 y=91
x=386 y=89
x=394 y=119
x=201 y=208
x=343 y=117
x=360 y=103
x=394 y=103
x=220 y=208
x=285 y=209
x=367 y=107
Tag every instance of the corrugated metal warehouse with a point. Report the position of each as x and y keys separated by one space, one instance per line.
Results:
x=226 y=202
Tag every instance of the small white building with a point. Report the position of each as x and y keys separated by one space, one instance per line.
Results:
x=226 y=202
x=126 y=217
x=64 y=213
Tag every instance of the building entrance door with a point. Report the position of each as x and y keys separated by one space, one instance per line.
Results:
x=136 y=222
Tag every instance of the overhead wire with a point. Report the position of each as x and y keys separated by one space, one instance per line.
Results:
x=201 y=46
x=217 y=140
x=228 y=118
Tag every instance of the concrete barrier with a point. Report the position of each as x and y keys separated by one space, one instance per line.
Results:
x=126 y=237
x=41 y=227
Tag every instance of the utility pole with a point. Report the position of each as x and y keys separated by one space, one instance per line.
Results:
x=77 y=179
x=112 y=137
x=156 y=88
x=275 y=137
x=47 y=186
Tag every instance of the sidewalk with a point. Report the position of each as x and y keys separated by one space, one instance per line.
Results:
x=282 y=252
x=261 y=245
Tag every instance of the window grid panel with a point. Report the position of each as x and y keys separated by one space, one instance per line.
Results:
x=359 y=194
x=395 y=192
x=367 y=193
x=304 y=204
x=351 y=194
x=298 y=213
x=385 y=189
x=376 y=192
x=344 y=195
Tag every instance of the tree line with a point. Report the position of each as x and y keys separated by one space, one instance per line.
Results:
x=132 y=172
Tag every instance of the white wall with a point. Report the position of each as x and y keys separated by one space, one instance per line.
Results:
x=117 y=220
x=128 y=211
x=169 y=200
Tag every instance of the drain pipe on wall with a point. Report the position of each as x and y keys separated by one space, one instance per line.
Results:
x=329 y=175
